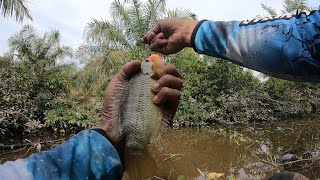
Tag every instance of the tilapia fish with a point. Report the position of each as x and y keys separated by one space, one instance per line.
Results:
x=140 y=118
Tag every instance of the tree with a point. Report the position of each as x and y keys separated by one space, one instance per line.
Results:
x=35 y=87
x=130 y=20
x=288 y=6
x=38 y=52
x=15 y=8
x=111 y=43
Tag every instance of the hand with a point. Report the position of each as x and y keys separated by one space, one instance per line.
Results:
x=167 y=90
x=167 y=93
x=170 y=36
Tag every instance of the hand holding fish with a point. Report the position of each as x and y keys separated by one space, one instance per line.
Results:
x=167 y=91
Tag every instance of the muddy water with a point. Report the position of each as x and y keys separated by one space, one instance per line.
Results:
x=247 y=152
x=237 y=152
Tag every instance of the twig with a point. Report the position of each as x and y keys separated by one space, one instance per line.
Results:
x=270 y=163
x=29 y=145
x=172 y=155
x=158 y=178
x=300 y=160
x=292 y=162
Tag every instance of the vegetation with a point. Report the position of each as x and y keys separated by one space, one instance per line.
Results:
x=35 y=84
x=38 y=89
x=15 y=8
x=288 y=6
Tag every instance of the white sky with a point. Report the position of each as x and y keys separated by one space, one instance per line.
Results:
x=71 y=16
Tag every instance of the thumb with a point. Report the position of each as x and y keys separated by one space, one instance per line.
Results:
x=129 y=69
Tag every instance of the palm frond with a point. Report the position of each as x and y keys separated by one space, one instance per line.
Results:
x=104 y=33
x=181 y=13
x=270 y=10
x=33 y=49
x=154 y=11
x=291 y=5
x=15 y=8
x=119 y=14
x=137 y=20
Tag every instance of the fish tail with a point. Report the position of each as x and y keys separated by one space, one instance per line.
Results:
x=141 y=166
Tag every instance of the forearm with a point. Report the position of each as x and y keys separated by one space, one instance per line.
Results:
x=86 y=155
x=286 y=47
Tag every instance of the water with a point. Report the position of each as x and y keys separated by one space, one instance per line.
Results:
x=243 y=152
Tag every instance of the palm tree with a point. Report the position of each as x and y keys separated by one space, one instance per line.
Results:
x=288 y=6
x=16 y=8
x=28 y=48
x=110 y=43
x=130 y=20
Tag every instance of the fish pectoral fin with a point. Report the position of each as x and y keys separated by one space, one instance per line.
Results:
x=166 y=119
x=140 y=166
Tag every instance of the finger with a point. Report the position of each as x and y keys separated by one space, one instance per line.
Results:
x=157 y=28
x=151 y=34
x=158 y=36
x=129 y=69
x=167 y=81
x=171 y=69
x=158 y=44
x=167 y=95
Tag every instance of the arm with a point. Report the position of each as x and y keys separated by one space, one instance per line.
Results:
x=88 y=154
x=287 y=47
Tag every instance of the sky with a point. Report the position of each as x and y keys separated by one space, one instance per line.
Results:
x=71 y=16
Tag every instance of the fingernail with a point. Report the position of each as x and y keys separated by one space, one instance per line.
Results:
x=155 y=99
x=156 y=86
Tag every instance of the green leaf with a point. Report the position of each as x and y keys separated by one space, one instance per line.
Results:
x=173 y=158
x=181 y=177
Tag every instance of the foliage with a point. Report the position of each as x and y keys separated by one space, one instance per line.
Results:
x=33 y=82
x=73 y=117
x=16 y=8
x=288 y=6
x=207 y=81
x=291 y=5
x=38 y=52
x=93 y=78
x=130 y=20
x=217 y=91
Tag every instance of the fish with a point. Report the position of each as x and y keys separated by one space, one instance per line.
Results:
x=140 y=120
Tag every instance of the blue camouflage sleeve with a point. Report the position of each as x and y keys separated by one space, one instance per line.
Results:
x=286 y=46
x=88 y=155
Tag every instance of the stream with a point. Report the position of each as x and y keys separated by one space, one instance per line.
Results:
x=253 y=151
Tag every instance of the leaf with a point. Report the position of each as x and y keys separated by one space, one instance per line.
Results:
x=232 y=177
x=181 y=177
x=173 y=158
x=214 y=175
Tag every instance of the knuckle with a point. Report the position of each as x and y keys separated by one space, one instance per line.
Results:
x=165 y=90
x=178 y=94
x=165 y=78
x=156 y=40
x=171 y=66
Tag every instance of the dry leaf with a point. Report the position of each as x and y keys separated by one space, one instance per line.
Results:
x=214 y=175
